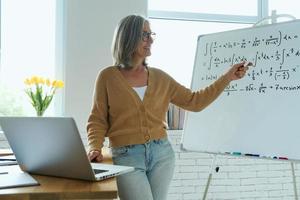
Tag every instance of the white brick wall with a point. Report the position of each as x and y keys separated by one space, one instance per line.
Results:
x=238 y=177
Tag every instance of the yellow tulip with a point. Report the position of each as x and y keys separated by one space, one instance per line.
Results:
x=41 y=80
x=54 y=83
x=34 y=80
x=48 y=83
x=60 y=84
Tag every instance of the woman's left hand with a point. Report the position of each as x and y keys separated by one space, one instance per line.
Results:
x=238 y=71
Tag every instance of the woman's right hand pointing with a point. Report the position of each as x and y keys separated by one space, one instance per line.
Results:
x=238 y=71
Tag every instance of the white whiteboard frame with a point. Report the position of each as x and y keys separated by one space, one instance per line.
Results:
x=187 y=116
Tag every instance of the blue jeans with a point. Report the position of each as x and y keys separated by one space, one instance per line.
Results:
x=154 y=164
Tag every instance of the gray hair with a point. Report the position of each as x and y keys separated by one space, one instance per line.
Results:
x=126 y=39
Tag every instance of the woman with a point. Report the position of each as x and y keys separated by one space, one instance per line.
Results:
x=130 y=104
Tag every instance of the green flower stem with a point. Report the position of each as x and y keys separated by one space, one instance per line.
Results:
x=39 y=101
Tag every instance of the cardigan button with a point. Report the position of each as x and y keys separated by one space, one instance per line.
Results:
x=147 y=137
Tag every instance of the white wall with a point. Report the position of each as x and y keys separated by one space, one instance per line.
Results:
x=89 y=27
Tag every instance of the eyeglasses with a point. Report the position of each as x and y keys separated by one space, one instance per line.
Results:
x=146 y=36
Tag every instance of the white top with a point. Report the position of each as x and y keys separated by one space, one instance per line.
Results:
x=140 y=91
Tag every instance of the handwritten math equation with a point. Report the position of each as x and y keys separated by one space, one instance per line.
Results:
x=276 y=60
x=272 y=40
x=266 y=73
x=261 y=88
x=279 y=57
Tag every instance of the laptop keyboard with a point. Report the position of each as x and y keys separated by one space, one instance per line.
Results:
x=98 y=171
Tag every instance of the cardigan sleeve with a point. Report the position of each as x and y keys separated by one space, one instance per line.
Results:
x=97 y=125
x=198 y=100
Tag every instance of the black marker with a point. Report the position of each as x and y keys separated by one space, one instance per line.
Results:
x=249 y=154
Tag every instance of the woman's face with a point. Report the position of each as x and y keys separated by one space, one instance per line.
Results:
x=144 y=47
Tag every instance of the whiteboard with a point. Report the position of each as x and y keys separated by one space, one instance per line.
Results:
x=259 y=114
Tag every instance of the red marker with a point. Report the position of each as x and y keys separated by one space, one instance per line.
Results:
x=283 y=158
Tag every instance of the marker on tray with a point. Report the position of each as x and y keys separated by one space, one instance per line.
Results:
x=236 y=153
x=254 y=155
x=282 y=158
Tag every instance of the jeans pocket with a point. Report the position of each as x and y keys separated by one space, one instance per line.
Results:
x=119 y=151
x=163 y=141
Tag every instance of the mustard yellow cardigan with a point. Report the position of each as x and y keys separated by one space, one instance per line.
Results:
x=119 y=114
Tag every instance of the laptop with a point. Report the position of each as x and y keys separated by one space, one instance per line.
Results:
x=53 y=146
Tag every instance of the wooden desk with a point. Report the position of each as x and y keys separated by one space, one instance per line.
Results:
x=52 y=188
